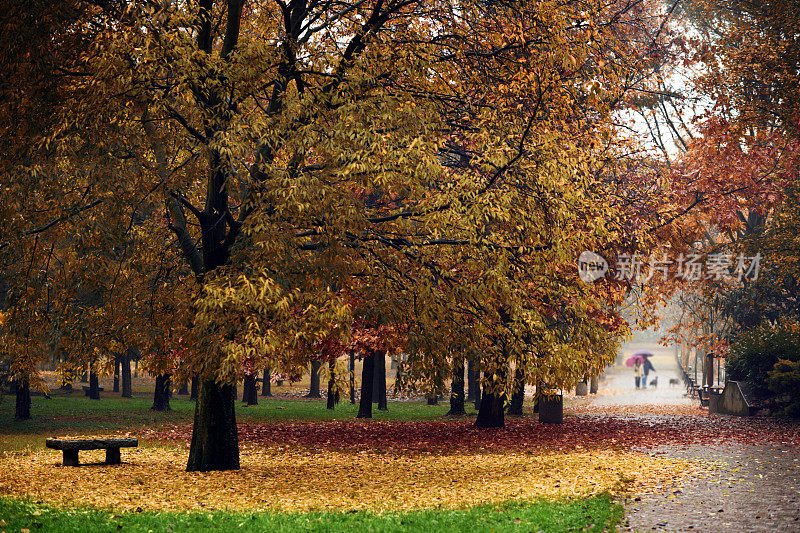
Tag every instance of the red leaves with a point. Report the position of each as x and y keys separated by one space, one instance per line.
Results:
x=578 y=432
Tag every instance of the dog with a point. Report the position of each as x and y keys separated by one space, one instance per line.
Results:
x=673 y=382
x=654 y=382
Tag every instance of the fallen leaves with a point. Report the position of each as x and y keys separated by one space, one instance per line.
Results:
x=294 y=479
x=579 y=431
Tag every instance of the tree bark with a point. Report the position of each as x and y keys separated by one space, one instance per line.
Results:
x=492 y=409
x=457 y=388
x=477 y=391
x=117 y=367
x=551 y=409
x=250 y=390
x=367 y=375
x=215 y=440
x=352 y=378
x=94 y=385
x=313 y=391
x=379 y=381
x=470 y=381
x=582 y=388
x=195 y=388
x=22 y=390
x=331 y=384
x=518 y=397
x=266 y=383
x=162 y=392
x=125 y=362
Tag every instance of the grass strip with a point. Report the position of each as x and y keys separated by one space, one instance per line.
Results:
x=594 y=514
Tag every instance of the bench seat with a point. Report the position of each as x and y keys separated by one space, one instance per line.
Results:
x=70 y=447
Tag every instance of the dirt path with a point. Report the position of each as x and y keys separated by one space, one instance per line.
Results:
x=756 y=486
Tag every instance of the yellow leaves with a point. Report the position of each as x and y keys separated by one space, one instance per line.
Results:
x=290 y=479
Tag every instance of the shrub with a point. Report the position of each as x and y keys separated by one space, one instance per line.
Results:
x=768 y=359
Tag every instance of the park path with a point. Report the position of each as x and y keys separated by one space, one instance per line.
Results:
x=754 y=487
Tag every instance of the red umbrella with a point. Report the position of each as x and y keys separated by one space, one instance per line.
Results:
x=631 y=361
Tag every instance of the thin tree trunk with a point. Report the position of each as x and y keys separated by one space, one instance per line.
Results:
x=477 y=391
x=195 y=389
x=94 y=385
x=518 y=397
x=215 y=440
x=184 y=390
x=314 y=388
x=162 y=392
x=379 y=381
x=22 y=390
x=367 y=375
x=117 y=367
x=125 y=362
x=470 y=381
x=250 y=390
x=266 y=383
x=352 y=378
x=331 y=384
x=457 y=388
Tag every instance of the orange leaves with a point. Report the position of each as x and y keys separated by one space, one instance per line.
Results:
x=292 y=479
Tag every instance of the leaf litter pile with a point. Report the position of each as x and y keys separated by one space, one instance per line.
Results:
x=380 y=466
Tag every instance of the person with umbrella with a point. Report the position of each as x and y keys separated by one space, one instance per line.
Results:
x=638 y=371
x=648 y=367
x=641 y=367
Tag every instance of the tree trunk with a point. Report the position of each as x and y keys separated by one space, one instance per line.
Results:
x=594 y=384
x=551 y=409
x=477 y=391
x=314 y=388
x=266 y=383
x=582 y=388
x=184 y=390
x=518 y=397
x=379 y=381
x=162 y=393
x=352 y=378
x=331 y=384
x=492 y=409
x=22 y=389
x=457 y=388
x=470 y=381
x=367 y=375
x=215 y=440
x=250 y=390
x=94 y=385
x=195 y=388
x=117 y=367
x=125 y=363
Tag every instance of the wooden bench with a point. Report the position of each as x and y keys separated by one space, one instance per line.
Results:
x=70 y=447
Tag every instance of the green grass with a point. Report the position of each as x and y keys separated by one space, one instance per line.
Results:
x=593 y=514
x=76 y=414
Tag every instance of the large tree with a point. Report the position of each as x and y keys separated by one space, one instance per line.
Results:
x=430 y=169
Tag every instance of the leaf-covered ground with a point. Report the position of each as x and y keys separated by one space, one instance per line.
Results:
x=578 y=432
x=289 y=478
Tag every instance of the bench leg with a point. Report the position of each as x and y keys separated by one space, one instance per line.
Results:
x=113 y=456
x=71 y=458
